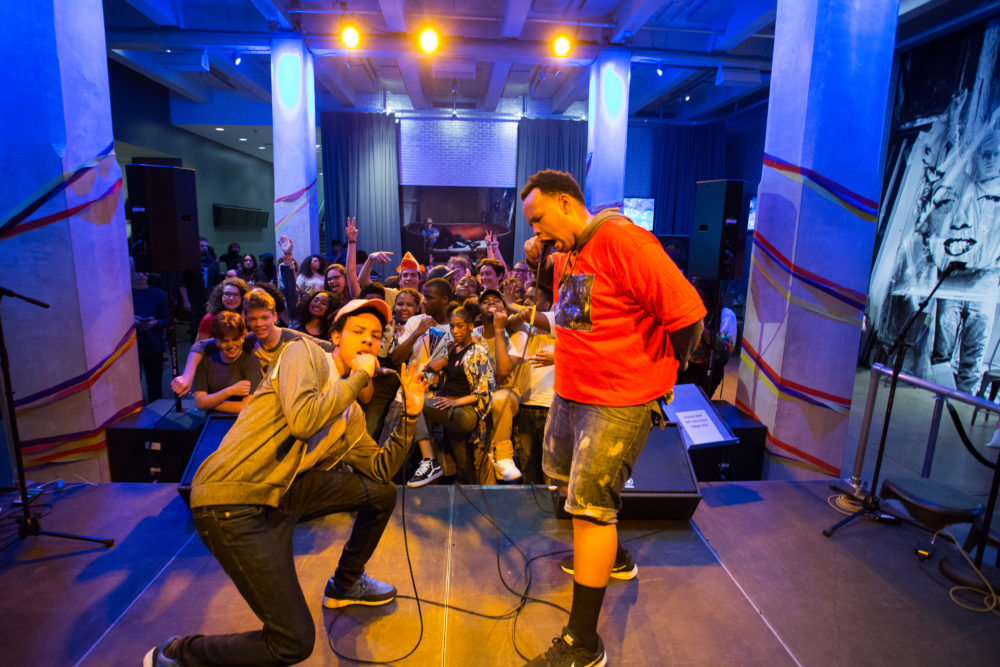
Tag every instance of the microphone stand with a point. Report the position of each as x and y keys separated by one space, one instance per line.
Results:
x=870 y=505
x=27 y=524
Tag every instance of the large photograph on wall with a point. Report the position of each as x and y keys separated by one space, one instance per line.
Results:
x=440 y=221
x=941 y=206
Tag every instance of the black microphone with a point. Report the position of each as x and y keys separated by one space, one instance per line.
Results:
x=544 y=253
x=381 y=370
x=954 y=266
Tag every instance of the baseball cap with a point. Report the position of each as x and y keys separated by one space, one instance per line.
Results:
x=357 y=304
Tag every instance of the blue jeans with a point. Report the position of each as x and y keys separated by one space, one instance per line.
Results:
x=964 y=324
x=253 y=544
x=593 y=448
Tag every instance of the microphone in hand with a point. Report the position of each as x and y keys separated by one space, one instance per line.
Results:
x=954 y=266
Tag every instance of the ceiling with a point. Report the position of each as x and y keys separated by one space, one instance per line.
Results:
x=691 y=59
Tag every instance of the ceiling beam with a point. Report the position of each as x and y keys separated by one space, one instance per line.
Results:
x=148 y=64
x=571 y=89
x=632 y=15
x=274 y=11
x=393 y=46
x=409 y=68
x=748 y=17
x=160 y=12
x=514 y=14
x=247 y=75
x=393 y=15
x=720 y=97
x=494 y=91
x=641 y=97
x=328 y=74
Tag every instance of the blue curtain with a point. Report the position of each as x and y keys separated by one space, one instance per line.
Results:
x=544 y=143
x=361 y=177
x=683 y=155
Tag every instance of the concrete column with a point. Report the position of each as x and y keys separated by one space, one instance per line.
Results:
x=293 y=106
x=607 y=129
x=62 y=234
x=817 y=205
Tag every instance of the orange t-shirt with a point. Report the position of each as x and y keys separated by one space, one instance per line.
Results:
x=615 y=309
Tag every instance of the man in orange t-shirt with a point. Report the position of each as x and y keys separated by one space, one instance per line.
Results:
x=626 y=321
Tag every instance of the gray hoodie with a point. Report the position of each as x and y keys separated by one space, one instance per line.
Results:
x=300 y=409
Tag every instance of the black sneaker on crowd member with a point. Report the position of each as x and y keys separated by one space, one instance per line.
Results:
x=567 y=651
x=426 y=472
x=366 y=591
x=624 y=568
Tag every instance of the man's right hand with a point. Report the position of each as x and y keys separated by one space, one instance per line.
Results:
x=181 y=385
x=381 y=256
x=365 y=362
x=532 y=251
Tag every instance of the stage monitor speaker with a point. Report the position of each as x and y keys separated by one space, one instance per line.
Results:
x=153 y=445
x=742 y=461
x=215 y=429
x=663 y=484
x=718 y=236
x=164 y=218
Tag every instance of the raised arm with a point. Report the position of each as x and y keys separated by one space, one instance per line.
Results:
x=351 y=231
x=493 y=250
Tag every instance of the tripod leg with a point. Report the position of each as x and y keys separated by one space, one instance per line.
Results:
x=106 y=542
x=843 y=522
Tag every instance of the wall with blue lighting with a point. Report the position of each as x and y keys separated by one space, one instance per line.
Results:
x=140 y=114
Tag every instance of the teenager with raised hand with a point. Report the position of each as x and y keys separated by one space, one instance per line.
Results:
x=277 y=466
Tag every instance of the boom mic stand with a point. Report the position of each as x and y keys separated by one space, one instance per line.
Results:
x=27 y=524
x=870 y=505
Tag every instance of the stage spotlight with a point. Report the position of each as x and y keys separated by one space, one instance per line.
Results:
x=429 y=40
x=561 y=46
x=237 y=58
x=350 y=37
x=659 y=71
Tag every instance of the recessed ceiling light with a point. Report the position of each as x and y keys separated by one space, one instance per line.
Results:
x=243 y=138
x=220 y=129
x=263 y=148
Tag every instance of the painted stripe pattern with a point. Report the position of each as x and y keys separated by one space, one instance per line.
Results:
x=857 y=205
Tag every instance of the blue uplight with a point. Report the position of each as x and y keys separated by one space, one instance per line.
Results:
x=289 y=79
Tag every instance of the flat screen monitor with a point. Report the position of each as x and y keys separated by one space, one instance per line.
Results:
x=640 y=209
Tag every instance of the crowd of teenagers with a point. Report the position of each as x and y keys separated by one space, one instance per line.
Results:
x=484 y=420
x=466 y=367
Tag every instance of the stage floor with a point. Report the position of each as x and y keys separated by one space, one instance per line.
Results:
x=749 y=581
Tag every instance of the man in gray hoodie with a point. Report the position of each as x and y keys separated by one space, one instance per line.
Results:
x=278 y=465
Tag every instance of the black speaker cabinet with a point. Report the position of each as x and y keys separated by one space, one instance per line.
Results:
x=212 y=433
x=718 y=235
x=743 y=461
x=153 y=445
x=663 y=484
x=164 y=218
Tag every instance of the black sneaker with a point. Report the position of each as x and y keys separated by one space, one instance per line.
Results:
x=156 y=658
x=566 y=651
x=624 y=570
x=366 y=591
x=426 y=472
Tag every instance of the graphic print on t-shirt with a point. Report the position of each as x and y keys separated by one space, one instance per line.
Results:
x=573 y=309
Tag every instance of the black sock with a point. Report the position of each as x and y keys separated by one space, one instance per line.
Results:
x=620 y=555
x=584 y=614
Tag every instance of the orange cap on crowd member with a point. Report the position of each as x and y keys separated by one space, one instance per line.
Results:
x=409 y=262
